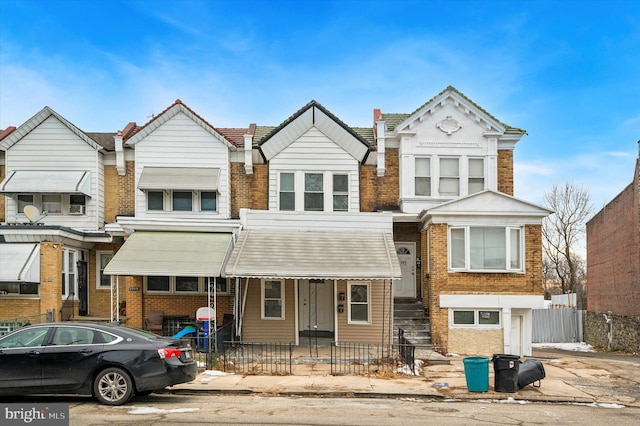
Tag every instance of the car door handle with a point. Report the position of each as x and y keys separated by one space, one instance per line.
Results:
x=86 y=351
x=33 y=353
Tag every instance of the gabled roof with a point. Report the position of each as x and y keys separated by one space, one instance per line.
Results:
x=314 y=115
x=38 y=119
x=484 y=204
x=396 y=121
x=166 y=115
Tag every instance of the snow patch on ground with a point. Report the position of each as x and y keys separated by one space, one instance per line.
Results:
x=153 y=410
x=576 y=347
x=600 y=404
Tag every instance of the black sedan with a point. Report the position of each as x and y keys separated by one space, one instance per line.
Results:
x=109 y=362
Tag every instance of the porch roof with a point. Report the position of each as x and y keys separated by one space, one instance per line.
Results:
x=189 y=254
x=279 y=253
x=20 y=263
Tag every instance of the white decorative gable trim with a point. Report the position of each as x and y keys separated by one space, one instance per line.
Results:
x=38 y=119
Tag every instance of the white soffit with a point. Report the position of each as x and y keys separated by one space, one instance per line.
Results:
x=192 y=254
x=20 y=263
x=47 y=182
x=187 y=178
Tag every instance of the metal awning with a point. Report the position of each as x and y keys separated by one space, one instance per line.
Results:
x=47 y=182
x=274 y=253
x=187 y=178
x=190 y=254
x=20 y=263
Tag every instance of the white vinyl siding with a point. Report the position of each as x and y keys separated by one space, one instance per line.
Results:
x=52 y=146
x=313 y=152
x=181 y=142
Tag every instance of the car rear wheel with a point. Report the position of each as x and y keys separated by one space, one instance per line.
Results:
x=113 y=386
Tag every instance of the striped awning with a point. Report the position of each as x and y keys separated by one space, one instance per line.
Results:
x=180 y=178
x=189 y=254
x=275 y=253
x=47 y=182
x=20 y=263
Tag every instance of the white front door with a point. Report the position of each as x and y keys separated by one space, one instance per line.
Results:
x=516 y=335
x=406 y=287
x=316 y=305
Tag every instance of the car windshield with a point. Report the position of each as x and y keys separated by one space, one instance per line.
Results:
x=141 y=333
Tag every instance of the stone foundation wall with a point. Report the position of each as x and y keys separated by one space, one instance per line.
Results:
x=625 y=331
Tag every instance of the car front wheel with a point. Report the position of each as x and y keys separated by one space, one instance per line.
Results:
x=113 y=386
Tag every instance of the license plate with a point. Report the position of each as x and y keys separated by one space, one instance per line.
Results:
x=187 y=354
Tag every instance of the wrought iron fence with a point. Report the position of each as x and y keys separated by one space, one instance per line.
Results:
x=366 y=358
x=258 y=358
x=10 y=324
x=407 y=351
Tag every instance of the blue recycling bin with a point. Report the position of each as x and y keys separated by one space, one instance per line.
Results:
x=476 y=371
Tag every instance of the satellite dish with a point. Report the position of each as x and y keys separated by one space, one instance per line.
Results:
x=33 y=213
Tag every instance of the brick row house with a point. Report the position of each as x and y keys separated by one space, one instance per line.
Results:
x=311 y=226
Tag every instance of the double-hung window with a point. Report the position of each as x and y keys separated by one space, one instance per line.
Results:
x=449 y=177
x=272 y=299
x=423 y=177
x=208 y=201
x=102 y=259
x=155 y=200
x=52 y=203
x=182 y=201
x=359 y=303
x=287 y=192
x=69 y=283
x=486 y=248
x=313 y=192
x=340 y=193
x=476 y=175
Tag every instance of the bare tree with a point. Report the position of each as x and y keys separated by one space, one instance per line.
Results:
x=563 y=231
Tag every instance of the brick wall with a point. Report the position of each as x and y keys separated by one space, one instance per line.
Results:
x=111 y=194
x=380 y=192
x=505 y=171
x=625 y=331
x=127 y=191
x=249 y=191
x=100 y=298
x=439 y=281
x=613 y=263
x=51 y=278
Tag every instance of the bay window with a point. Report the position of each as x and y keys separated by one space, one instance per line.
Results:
x=485 y=248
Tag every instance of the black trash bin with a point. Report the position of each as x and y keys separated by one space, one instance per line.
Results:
x=530 y=371
x=505 y=368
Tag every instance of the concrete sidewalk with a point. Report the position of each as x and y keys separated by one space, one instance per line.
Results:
x=568 y=379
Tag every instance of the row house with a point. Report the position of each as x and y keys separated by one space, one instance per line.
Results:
x=311 y=227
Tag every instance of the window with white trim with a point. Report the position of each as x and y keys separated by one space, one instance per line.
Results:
x=24 y=200
x=182 y=201
x=102 y=259
x=221 y=284
x=69 y=281
x=359 y=303
x=474 y=318
x=313 y=192
x=272 y=295
x=449 y=177
x=340 y=193
x=182 y=284
x=423 y=177
x=52 y=203
x=476 y=175
x=486 y=248
x=287 y=196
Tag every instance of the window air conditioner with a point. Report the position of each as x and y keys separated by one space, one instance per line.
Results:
x=76 y=209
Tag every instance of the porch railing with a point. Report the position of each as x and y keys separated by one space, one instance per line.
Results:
x=258 y=358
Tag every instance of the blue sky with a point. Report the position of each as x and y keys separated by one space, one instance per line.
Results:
x=566 y=71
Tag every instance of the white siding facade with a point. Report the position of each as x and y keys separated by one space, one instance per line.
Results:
x=180 y=142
